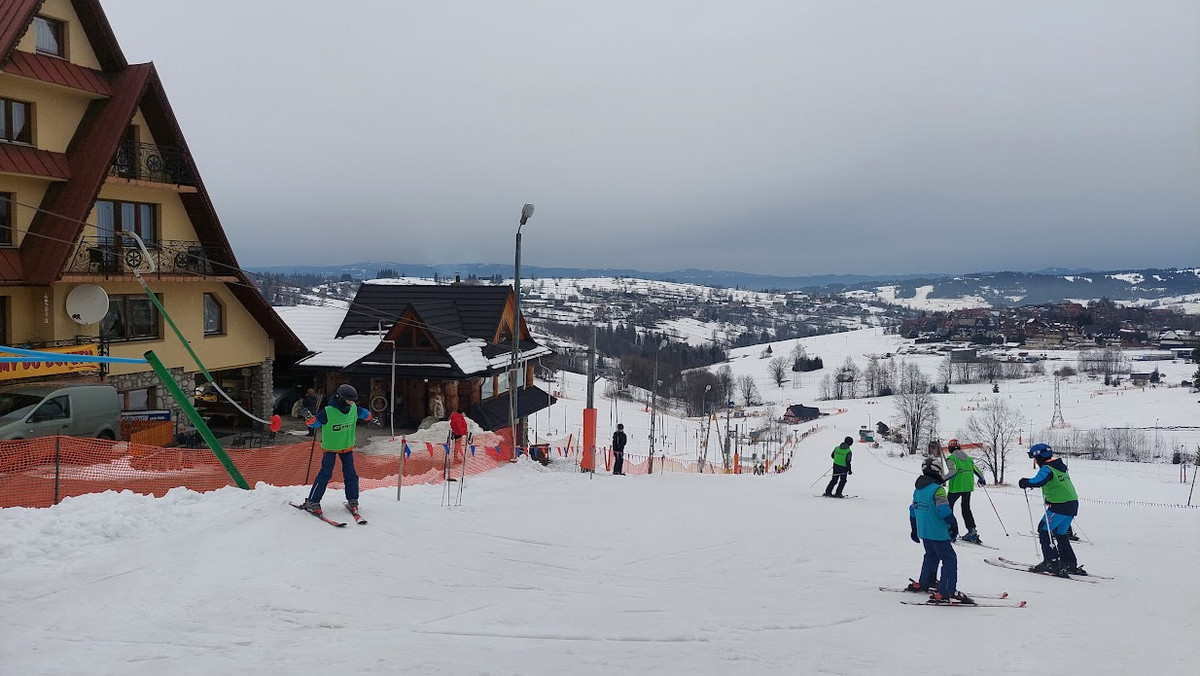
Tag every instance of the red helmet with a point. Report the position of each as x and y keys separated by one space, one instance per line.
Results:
x=953 y=445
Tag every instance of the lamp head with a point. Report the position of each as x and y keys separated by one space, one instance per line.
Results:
x=526 y=213
x=662 y=344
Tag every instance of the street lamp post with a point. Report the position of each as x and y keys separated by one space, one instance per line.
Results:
x=654 y=405
x=526 y=213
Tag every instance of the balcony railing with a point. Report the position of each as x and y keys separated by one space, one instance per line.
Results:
x=148 y=162
x=111 y=256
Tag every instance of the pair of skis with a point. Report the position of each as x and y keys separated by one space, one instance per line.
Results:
x=358 y=518
x=1001 y=562
x=1002 y=596
x=448 y=497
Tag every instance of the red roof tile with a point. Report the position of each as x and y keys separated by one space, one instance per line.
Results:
x=19 y=159
x=15 y=17
x=57 y=71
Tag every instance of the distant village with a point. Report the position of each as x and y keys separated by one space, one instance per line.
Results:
x=1061 y=325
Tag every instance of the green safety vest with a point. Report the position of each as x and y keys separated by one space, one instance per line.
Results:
x=338 y=432
x=964 y=480
x=839 y=456
x=1059 y=488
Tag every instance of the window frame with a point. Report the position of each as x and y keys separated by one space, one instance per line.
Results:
x=59 y=29
x=6 y=116
x=8 y=208
x=118 y=220
x=151 y=398
x=220 y=330
x=126 y=325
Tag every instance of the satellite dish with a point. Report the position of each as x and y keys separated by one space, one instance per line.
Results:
x=87 y=304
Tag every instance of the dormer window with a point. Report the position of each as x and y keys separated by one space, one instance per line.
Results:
x=51 y=36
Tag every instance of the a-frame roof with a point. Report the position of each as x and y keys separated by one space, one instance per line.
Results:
x=453 y=312
x=59 y=223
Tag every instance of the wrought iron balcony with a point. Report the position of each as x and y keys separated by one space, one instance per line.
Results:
x=111 y=256
x=148 y=162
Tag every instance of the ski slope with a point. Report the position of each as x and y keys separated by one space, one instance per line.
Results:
x=548 y=571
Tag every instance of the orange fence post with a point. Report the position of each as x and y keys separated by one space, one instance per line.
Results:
x=587 y=459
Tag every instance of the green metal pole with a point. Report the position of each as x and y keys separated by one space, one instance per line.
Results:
x=194 y=416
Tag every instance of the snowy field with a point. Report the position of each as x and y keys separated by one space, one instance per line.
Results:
x=547 y=571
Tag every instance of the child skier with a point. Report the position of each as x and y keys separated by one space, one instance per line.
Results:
x=960 y=483
x=1062 y=505
x=841 y=468
x=338 y=418
x=933 y=525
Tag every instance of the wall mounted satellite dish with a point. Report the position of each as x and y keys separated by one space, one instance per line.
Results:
x=87 y=304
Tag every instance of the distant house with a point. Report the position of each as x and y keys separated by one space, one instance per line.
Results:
x=433 y=349
x=798 y=413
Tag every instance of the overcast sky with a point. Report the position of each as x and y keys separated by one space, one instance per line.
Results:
x=786 y=137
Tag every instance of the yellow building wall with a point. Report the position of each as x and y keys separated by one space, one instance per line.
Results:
x=79 y=50
x=29 y=322
x=244 y=342
x=56 y=110
x=25 y=191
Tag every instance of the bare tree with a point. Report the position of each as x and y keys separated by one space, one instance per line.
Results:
x=778 y=370
x=747 y=388
x=915 y=406
x=827 y=387
x=945 y=373
x=870 y=377
x=996 y=426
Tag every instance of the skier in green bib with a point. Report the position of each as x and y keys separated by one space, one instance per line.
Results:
x=961 y=476
x=841 y=468
x=338 y=422
x=1062 y=505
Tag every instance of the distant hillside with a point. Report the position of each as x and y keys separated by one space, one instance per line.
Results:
x=1021 y=288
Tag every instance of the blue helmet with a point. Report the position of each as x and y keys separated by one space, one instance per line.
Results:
x=1041 y=451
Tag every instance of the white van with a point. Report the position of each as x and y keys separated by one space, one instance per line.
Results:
x=49 y=409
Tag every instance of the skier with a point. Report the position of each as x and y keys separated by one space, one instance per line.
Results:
x=960 y=483
x=458 y=430
x=1062 y=505
x=339 y=418
x=841 y=468
x=618 y=445
x=933 y=525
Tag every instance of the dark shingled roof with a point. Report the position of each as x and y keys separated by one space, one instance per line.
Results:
x=452 y=313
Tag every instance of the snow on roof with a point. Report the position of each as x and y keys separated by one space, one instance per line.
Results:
x=317 y=326
x=468 y=355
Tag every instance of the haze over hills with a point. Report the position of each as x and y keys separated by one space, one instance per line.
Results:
x=982 y=288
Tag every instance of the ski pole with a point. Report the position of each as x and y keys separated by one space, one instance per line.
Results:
x=1032 y=528
x=310 y=456
x=1083 y=536
x=989 y=497
x=820 y=477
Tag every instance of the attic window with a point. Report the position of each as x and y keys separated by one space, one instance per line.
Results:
x=50 y=36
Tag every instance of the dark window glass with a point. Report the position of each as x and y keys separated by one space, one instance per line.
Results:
x=49 y=36
x=130 y=318
x=15 y=121
x=58 y=408
x=213 y=319
x=106 y=219
x=6 y=218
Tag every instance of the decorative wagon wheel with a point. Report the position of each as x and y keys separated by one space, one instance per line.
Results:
x=181 y=261
x=154 y=163
x=133 y=258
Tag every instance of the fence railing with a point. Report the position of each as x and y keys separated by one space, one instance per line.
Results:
x=154 y=163
x=121 y=256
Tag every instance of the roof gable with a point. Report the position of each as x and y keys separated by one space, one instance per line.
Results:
x=452 y=313
x=16 y=16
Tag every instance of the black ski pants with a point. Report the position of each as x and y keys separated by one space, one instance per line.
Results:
x=619 y=462
x=839 y=478
x=968 y=517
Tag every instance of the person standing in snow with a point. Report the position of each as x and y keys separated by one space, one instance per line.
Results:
x=338 y=421
x=841 y=468
x=1062 y=506
x=458 y=430
x=618 y=445
x=961 y=476
x=308 y=403
x=932 y=524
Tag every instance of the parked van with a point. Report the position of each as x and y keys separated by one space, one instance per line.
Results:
x=49 y=409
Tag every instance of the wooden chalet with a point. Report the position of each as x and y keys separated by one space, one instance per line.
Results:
x=434 y=348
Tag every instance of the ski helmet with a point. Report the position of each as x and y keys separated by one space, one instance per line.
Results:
x=1041 y=452
x=932 y=467
x=847 y=441
x=346 y=392
x=953 y=445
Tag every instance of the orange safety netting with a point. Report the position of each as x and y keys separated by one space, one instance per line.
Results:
x=41 y=472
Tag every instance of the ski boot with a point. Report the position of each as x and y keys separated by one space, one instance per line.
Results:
x=310 y=506
x=914 y=586
x=971 y=536
x=352 y=507
x=957 y=598
x=1051 y=566
x=1075 y=570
